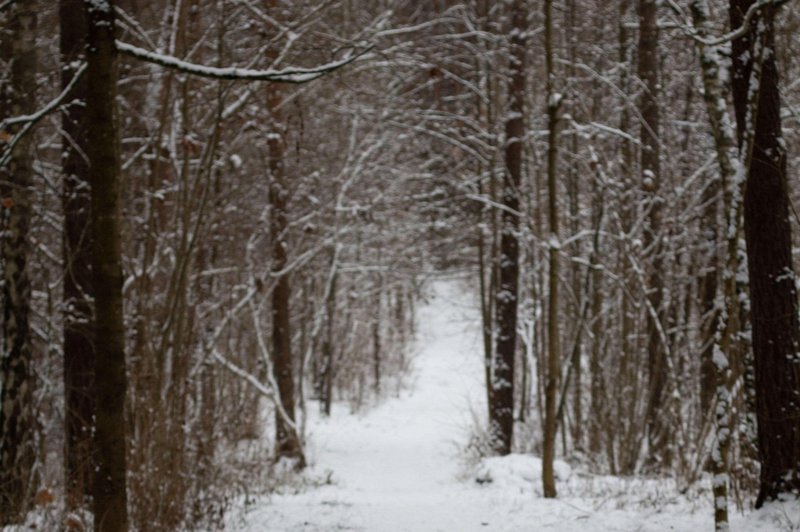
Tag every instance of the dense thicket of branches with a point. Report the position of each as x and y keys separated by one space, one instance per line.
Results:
x=275 y=238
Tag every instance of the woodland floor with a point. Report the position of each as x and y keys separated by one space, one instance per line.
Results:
x=402 y=465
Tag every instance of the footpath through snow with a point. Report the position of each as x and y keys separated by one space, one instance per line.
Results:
x=398 y=468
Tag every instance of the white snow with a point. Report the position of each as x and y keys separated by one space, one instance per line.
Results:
x=400 y=466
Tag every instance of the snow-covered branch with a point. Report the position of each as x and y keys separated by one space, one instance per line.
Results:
x=733 y=34
x=31 y=120
x=286 y=75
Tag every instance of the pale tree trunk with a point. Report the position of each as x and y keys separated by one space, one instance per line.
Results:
x=78 y=314
x=725 y=321
x=553 y=343
x=17 y=418
x=506 y=297
x=773 y=295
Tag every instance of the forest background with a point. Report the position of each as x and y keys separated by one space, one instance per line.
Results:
x=269 y=228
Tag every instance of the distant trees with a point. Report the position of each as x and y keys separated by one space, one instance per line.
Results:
x=631 y=319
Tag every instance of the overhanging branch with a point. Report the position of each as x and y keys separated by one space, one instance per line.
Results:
x=733 y=34
x=287 y=75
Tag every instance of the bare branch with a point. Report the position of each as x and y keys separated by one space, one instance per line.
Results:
x=31 y=120
x=733 y=34
x=286 y=75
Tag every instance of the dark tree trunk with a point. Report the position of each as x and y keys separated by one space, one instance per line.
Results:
x=17 y=418
x=376 y=349
x=377 y=346
x=707 y=295
x=551 y=414
x=327 y=345
x=501 y=423
x=110 y=493
x=78 y=317
x=773 y=296
x=287 y=440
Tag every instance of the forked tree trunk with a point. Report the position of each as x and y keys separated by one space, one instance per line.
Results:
x=17 y=418
x=773 y=296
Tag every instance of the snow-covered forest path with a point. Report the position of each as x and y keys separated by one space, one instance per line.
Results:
x=395 y=468
x=398 y=467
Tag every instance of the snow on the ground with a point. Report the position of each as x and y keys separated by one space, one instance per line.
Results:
x=398 y=467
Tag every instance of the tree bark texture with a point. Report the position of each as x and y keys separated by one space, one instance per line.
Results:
x=553 y=333
x=110 y=490
x=17 y=418
x=502 y=415
x=287 y=440
x=773 y=296
x=328 y=354
x=648 y=65
x=723 y=321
